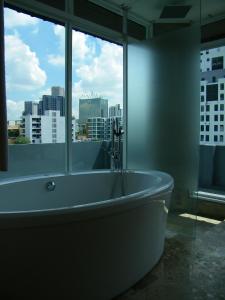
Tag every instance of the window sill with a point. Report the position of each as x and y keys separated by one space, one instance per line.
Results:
x=209 y=196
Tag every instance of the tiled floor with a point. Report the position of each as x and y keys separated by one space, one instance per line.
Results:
x=192 y=266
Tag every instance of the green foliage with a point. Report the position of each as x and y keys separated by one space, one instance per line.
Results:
x=22 y=140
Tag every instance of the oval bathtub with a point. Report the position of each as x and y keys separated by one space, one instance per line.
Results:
x=91 y=238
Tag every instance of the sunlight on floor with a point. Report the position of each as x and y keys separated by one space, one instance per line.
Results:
x=198 y=218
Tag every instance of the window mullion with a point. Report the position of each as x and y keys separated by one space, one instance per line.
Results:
x=68 y=93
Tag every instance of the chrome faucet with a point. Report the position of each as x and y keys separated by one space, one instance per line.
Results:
x=117 y=132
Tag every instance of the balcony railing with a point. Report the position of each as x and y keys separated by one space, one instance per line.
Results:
x=36 y=159
x=211 y=168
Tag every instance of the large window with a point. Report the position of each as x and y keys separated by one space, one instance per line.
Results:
x=212 y=140
x=35 y=88
x=36 y=103
x=212 y=90
x=97 y=98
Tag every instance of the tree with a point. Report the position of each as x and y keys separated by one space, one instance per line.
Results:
x=22 y=140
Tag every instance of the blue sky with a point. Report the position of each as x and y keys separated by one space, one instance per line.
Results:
x=35 y=61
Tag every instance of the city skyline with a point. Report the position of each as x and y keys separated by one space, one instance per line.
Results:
x=33 y=67
x=44 y=121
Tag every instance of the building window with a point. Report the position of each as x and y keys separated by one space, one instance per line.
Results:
x=207 y=118
x=216 y=107
x=207 y=138
x=202 y=98
x=221 y=117
x=221 y=128
x=202 y=88
x=207 y=107
x=202 y=138
x=207 y=128
x=202 y=108
x=215 y=138
x=215 y=127
x=221 y=106
x=213 y=79
x=202 y=118
x=202 y=127
x=221 y=96
x=217 y=63
x=216 y=118
x=222 y=86
x=221 y=138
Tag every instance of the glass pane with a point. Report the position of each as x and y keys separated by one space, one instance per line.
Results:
x=97 y=99
x=212 y=120
x=163 y=113
x=35 y=80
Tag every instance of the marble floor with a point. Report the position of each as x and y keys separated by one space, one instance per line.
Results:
x=192 y=266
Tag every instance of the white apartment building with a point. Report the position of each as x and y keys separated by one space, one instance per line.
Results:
x=212 y=113
x=49 y=128
x=96 y=128
x=101 y=128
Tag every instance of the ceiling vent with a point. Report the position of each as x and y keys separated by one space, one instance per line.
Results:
x=175 y=11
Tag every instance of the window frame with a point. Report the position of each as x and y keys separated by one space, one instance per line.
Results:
x=70 y=21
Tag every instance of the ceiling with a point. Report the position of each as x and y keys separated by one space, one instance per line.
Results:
x=150 y=10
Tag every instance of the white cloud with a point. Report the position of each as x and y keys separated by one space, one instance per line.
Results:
x=56 y=60
x=16 y=19
x=23 y=71
x=102 y=76
x=79 y=47
x=14 y=109
x=46 y=91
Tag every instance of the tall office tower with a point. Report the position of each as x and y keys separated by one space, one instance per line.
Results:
x=115 y=111
x=92 y=108
x=30 y=108
x=50 y=102
x=212 y=116
x=58 y=91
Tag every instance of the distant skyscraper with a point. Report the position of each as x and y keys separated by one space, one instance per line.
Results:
x=92 y=108
x=50 y=102
x=58 y=91
x=30 y=108
x=115 y=111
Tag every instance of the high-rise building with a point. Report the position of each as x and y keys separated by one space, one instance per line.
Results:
x=92 y=108
x=212 y=112
x=30 y=108
x=101 y=128
x=56 y=101
x=47 y=128
x=44 y=122
x=115 y=111
x=96 y=128
x=58 y=91
x=50 y=102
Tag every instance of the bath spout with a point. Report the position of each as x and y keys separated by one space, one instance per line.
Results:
x=50 y=186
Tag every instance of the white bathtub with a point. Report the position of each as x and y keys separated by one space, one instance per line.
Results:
x=85 y=240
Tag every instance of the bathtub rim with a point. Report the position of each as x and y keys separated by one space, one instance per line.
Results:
x=30 y=218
